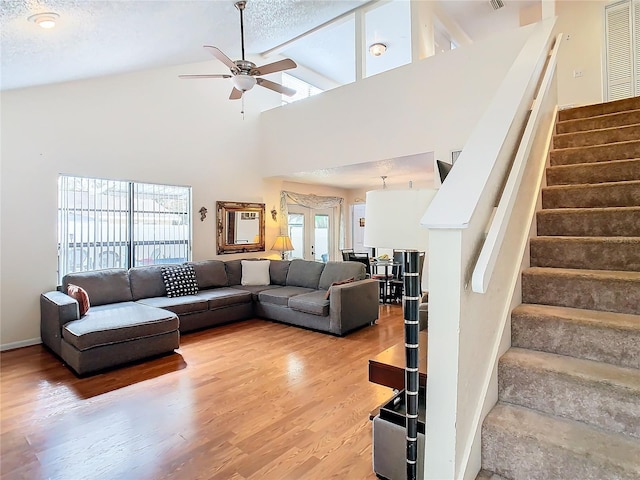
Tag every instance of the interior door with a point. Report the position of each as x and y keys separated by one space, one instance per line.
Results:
x=312 y=233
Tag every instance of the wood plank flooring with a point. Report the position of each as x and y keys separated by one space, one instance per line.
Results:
x=250 y=400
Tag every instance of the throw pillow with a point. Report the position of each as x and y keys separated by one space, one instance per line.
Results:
x=255 y=272
x=180 y=280
x=341 y=282
x=81 y=296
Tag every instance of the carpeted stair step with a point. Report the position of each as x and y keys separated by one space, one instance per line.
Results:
x=590 y=222
x=610 y=194
x=591 y=253
x=595 y=153
x=599 y=109
x=600 y=172
x=605 y=290
x=602 y=121
x=601 y=336
x=595 y=393
x=597 y=137
x=522 y=444
x=485 y=475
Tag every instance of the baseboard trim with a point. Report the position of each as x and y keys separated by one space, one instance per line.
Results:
x=23 y=343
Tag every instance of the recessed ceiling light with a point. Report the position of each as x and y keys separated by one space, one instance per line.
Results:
x=44 y=20
x=377 y=49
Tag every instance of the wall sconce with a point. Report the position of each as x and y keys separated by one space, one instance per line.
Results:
x=377 y=49
x=203 y=214
x=274 y=214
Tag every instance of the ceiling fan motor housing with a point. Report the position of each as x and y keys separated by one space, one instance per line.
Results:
x=245 y=66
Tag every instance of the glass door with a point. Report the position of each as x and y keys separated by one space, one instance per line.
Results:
x=311 y=232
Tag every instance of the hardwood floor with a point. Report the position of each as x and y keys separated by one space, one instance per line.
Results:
x=250 y=400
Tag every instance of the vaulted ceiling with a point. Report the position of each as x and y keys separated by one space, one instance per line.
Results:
x=97 y=38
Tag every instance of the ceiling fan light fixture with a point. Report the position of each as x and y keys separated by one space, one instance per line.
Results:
x=243 y=82
x=44 y=20
x=377 y=49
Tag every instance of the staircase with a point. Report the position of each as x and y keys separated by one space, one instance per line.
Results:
x=569 y=388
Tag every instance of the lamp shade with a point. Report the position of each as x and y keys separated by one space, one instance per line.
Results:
x=282 y=244
x=392 y=218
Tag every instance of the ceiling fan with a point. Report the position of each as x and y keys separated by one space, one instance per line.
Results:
x=245 y=74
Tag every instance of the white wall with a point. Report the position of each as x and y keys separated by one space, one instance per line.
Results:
x=430 y=105
x=148 y=126
x=582 y=21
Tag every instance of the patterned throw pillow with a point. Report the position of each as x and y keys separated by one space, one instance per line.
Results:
x=81 y=296
x=341 y=282
x=180 y=280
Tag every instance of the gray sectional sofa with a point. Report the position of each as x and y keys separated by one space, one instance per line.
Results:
x=131 y=318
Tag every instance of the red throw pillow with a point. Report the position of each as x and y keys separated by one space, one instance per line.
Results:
x=81 y=296
x=341 y=282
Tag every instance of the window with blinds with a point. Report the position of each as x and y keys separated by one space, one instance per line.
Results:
x=622 y=55
x=303 y=89
x=116 y=224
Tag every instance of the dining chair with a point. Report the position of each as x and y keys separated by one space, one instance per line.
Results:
x=397 y=283
x=345 y=253
x=362 y=258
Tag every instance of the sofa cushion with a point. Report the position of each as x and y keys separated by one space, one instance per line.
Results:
x=224 y=297
x=210 y=273
x=81 y=296
x=314 y=303
x=278 y=270
x=338 y=271
x=102 y=286
x=304 y=273
x=147 y=282
x=179 y=280
x=181 y=305
x=281 y=296
x=255 y=272
x=234 y=272
x=116 y=323
x=255 y=289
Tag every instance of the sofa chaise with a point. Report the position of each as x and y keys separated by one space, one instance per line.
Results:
x=131 y=316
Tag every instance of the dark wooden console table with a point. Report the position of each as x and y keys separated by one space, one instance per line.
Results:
x=387 y=368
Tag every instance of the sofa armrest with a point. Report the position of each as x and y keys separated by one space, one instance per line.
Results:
x=56 y=309
x=353 y=305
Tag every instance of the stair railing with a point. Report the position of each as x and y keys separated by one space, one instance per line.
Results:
x=480 y=223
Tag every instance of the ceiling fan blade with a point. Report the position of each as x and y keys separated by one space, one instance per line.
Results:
x=214 y=75
x=235 y=94
x=276 y=87
x=278 y=66
x=216 y=52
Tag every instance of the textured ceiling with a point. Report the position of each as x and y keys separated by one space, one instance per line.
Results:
x=95 y=38
x=417 y=169
x=104 y=37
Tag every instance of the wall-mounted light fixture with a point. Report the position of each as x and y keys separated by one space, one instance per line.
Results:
x=377 y=49
x=45 y=20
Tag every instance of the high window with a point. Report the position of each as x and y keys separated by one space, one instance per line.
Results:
x=117 y=224
x=303 y=89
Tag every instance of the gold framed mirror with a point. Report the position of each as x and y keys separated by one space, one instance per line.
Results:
x=240 y=227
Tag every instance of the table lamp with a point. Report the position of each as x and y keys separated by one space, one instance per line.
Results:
x=282 y=244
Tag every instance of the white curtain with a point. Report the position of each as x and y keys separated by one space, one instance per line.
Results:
x=310 y=201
